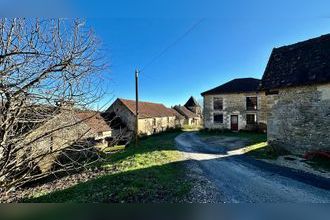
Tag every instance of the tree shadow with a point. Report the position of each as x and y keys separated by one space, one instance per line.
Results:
x=147 y=144
x=163 y=183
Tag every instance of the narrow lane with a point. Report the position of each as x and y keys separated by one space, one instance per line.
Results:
x=241 y=181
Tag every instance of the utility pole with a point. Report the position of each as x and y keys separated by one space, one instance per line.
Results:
x=137 y=106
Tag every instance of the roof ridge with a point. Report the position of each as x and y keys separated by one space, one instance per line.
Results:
x=148 y=102
x=301 y=43
x=147 y=109
x=303 y=63
x=236 y=85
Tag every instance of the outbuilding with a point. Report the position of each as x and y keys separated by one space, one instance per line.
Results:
x=297 y=85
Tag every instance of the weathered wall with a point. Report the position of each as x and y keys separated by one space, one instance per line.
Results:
x=53 y=143
x=149 y=126
x=197 y=110
x=146 y=125
x=300 y=119
x=179 y=123
x=233 y=104
x=125 y=114
x=193 y=121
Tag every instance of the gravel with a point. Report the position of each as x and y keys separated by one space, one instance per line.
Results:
x=203 y=190
x=239 y=180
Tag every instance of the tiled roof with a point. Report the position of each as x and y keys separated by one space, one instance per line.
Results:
x=191 y=103
x=236 y=86
x=94 y=120
x=303 y=63
x=177 y=114
x=185 y=112
x=148 y=109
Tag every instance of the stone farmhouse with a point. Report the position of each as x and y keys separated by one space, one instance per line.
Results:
x=153 y=117
x=297 y=85
x=193 y=106
x=191 y=112
x=71 y=127
x=235 y=105
x=191 y=118
x=180 y=120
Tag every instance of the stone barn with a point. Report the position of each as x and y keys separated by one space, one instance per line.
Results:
x=179 y=119
x=191 y=118
x=65 y=130
x=297 y=84
x=153 y=117
x=235 y=105
x=193 y=106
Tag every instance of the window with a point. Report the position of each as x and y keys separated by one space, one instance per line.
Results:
x=154 y=122
x=251 y=119
x=99 y=134
x=51 y=146
x=218 y=118
x=251 y=103
x=217 y=103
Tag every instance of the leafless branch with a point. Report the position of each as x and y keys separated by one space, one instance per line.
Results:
x=49 y=70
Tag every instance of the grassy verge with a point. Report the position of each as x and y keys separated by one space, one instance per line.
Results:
x=257 y=146
x=261 y=151
x=253 y=137
x=191 y=128
x=150 y=172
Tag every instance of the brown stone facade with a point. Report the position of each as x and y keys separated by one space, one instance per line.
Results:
x=68 y=129
x=235 y=105
x=147 y=125
x=299 y=120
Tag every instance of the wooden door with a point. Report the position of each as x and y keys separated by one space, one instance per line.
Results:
x=234 y=122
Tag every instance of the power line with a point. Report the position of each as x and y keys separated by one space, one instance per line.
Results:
x=185 y=34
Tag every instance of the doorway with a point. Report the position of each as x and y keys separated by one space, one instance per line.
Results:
x=234 y=122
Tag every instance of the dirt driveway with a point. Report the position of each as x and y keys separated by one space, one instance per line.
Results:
x=242 y=179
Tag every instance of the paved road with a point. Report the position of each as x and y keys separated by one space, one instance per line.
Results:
x=241 y=179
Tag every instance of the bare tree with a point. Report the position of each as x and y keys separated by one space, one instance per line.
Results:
x=45 y=67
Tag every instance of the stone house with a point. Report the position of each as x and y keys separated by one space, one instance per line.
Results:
x=193 y=106
x=180 y=120
x=297 y=85
x=190 y=118
x=235 y=105
x=153 y=117
x=68 y=128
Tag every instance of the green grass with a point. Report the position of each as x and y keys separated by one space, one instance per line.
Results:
x=151 y=172
x=262 y=151
x=253 y=137
x=257 y=146
x=191 y=128
x=113 y=149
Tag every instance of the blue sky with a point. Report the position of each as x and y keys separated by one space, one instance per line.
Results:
x=234 y=40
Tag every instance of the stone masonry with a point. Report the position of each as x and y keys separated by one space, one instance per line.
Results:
x=234 y=104
x=299 y=121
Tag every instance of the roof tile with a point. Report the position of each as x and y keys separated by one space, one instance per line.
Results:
x=236 y=86
x=148 y=109
x=303 y=63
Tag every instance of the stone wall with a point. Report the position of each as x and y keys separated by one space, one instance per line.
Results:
x=234 y=104
x=147 y=126
x=196 y=109
x=67 y=131
x=299 y=121
x=124 y=114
